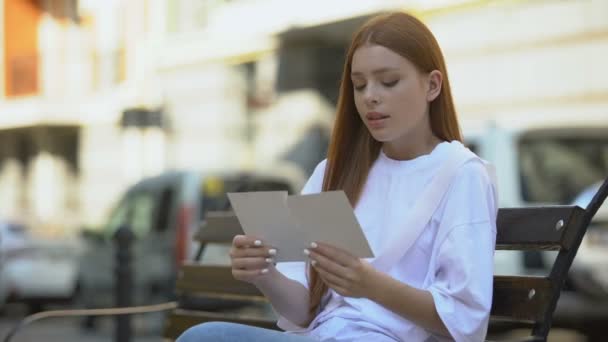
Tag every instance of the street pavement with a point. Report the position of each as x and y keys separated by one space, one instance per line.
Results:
x=146 y=329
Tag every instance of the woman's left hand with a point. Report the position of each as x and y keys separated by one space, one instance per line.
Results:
x=346 y=274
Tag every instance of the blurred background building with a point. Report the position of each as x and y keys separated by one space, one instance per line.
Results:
x=95 y=95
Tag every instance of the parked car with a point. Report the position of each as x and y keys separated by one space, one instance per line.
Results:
x=36 y=271
x=12 y=237
x=548 y=163
x=164 y=212
x=540 y=163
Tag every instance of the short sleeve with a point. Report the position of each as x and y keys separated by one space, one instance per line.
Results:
x=463 y=266
x=297 y=270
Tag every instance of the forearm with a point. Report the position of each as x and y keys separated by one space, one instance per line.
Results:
x=288 y=297
x=412 y=304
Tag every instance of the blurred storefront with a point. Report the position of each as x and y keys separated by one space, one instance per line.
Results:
x=97 y=94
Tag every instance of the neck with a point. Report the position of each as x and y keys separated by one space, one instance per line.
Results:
x=414 y=146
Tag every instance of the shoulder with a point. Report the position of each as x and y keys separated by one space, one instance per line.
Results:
x=473 y=181
x=471 y=196
x=473 y=172
x=461 y=168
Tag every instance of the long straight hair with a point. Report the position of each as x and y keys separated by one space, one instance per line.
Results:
x=352 y=149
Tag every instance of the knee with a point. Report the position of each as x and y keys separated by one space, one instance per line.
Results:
x=210 y=331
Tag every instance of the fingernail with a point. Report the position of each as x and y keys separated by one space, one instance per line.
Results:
x=269 y=260
x=314 y=262
x=257 y=243
x=313 y=245
x=264 y=271
x=306 y=251
x=272 y=251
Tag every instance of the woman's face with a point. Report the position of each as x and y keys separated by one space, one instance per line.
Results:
x=391 y=95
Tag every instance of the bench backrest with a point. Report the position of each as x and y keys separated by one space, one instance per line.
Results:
x=532 y=299
x=207 y=293
x=211 y=280
x=526 y=299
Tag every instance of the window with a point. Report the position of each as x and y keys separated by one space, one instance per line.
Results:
x=163 y=212
x=21 y=58
x=141 y=211
x=135 y=210
x=118 y=217
x=189 y=15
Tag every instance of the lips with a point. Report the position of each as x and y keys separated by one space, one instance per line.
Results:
x=375 y=116
x=376 y=120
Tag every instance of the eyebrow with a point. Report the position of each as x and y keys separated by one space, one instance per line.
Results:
x=376 y=71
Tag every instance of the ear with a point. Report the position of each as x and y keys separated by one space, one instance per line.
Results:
x=435 y=79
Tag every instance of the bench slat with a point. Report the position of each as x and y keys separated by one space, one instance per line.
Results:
x=530 y=228
x=534 y=228
x=196 y=278
x=520 y=298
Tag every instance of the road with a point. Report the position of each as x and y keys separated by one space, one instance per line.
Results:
x=146 y=329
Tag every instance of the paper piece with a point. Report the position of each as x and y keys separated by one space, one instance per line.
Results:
x=291 y=223
x=329 y=218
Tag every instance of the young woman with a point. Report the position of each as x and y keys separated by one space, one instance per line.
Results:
x=395 y=128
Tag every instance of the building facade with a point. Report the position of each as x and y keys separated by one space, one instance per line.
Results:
x=95 y=95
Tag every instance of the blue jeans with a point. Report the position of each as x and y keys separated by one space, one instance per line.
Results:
x=231 y=332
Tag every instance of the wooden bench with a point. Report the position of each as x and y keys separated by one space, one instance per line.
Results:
x=209 y=292
x=528 y=301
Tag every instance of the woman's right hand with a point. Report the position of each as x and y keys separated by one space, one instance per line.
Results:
x=250 y=259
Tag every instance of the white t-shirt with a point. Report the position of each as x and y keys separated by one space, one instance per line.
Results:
x=452 y=258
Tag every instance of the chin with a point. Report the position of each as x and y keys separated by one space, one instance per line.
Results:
x=380 y=137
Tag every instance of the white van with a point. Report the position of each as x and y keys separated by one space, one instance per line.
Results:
x=545 y=162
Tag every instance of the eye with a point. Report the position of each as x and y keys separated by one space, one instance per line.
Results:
x=359 y=87
x=391 y=83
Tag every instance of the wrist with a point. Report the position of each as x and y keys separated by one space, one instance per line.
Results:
x=374 y=286
x=264 y=280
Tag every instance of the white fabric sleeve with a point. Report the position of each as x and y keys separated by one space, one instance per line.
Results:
x=463 y=263
x=297 y=270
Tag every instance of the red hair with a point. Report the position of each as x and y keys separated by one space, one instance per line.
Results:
x=352 y=150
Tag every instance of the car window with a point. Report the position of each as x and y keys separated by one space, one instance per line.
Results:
x=557 y=169
x=118 y=217
x=214 y=190
x=163 y=212
x=142 y=211
x=136 y=210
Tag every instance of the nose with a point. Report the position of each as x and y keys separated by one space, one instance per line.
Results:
x=371 y=96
